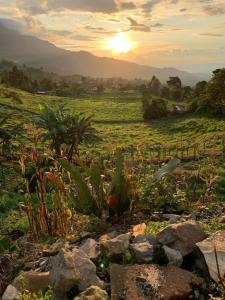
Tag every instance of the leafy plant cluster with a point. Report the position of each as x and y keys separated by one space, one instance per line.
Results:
x=210 y=96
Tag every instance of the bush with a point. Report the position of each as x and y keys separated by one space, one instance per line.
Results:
x=210 y=97
x=154 y=108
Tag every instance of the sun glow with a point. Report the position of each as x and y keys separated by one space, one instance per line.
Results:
x=120 y=44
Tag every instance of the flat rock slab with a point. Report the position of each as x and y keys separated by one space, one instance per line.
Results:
x=213 y=249
x=142 y=282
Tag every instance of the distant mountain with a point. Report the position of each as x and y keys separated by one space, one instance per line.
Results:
x=38 y=53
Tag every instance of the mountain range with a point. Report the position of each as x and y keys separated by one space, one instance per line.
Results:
x=35 y=52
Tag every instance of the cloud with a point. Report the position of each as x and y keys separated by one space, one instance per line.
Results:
x=101 y=6
x=148 y=6
x=213 y=10
x=157 y=25
x=92 y=28
x=32 y=7
x=127 y=5
x=79 y=37
x=212 y=34
x=135 y=26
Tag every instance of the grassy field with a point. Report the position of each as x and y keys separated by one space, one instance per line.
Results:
x=118 y=119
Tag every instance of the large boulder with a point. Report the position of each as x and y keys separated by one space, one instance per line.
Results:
x=117 y=245
x=213 y=249
x=182 y=236
x=32 y=281
x=91 y=248
x=11 y=293
x=72 y=269
x=144 y=282
x=143 y=252
x=92 y=293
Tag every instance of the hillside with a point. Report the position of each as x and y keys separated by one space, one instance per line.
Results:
x=38 y=53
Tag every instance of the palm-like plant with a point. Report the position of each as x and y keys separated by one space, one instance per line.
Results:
x=63 y=128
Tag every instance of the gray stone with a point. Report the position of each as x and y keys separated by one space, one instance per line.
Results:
x=91 y=248
x=11 y=293
x=145 y=238
x=213 y=249
x=108 y=236
x=167 y=217
x=72 y=268
x=55 y=248
x=92 y=293
x=143 y=252
x=174 y=257
x=117 y=245
x=182 y=236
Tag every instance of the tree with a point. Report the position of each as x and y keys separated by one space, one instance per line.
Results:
x=155 y=86
x=16 y=78
x=175 y=86
x=63 y=128
x=154 y=108
x=174 y=82
x=213 y=97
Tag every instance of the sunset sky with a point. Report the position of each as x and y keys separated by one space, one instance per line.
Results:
x=187 y=34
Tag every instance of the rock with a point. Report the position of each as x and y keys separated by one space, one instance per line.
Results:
x=207 y=247
x=144 y=238
x=31 y=265
x=117 y=245
x=174 y=257
x=92 y=293
x=144 y=282
x=32 y=281
x=143 y=252
x=181 y=236
x=140 y=215
x=222 y=219
x=108 y=236
x=80 y=238
x=139 y=229
x=91 y=248
x=72 y=269
x=11 y=293
x=55 y=248
x=169 y=217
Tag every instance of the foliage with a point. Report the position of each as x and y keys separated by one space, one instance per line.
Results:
x=166 y=169
x=210 y=97
x=153 y=228
x=121 y=189
x=40 y=296
x=6 y=244
x=162 y=191
x=8 y=134
x=154 y=108
x=96 y=194
x=62 y=128
x=17 y=79
x=48 y=213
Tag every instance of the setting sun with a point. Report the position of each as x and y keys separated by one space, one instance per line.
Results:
x=120 y=44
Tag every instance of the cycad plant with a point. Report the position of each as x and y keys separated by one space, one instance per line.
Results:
x=62 y=128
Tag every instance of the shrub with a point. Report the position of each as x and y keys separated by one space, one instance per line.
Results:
x=154 y=108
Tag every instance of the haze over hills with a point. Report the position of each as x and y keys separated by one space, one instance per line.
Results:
x=38 y=53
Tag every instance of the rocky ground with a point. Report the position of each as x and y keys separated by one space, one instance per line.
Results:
x=126 y=263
